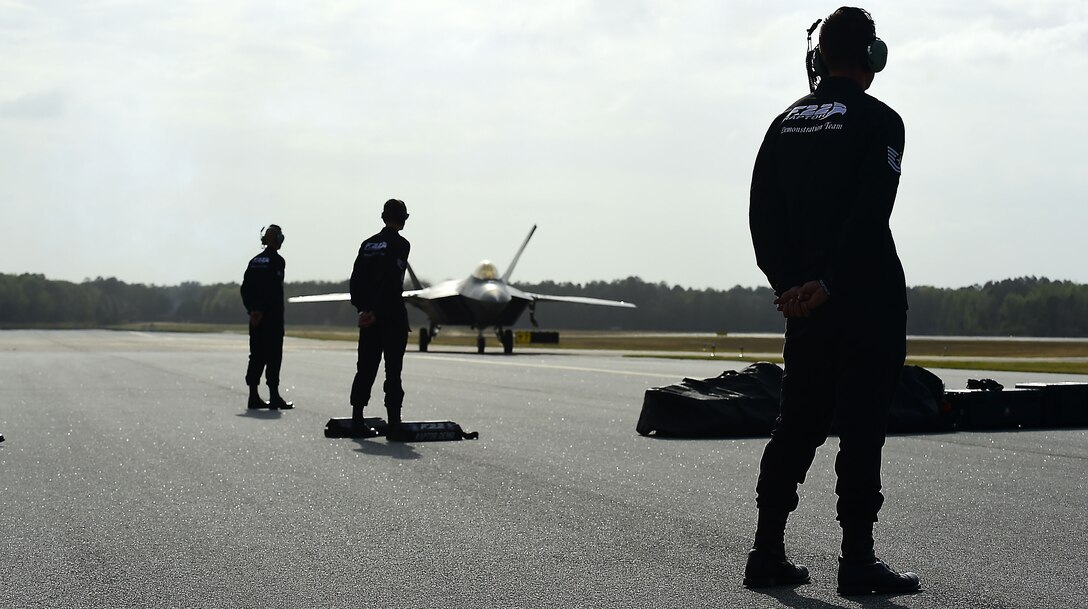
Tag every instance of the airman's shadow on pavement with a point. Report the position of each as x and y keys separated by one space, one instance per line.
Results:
x=261 y=413
x=790 y=598
x=380 y=447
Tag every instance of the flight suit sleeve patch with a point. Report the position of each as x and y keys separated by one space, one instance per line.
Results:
x=895 y=160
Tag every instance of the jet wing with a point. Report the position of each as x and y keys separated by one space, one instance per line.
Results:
x=578 y=300
x=444 y=289
x=441 y=290
x=321 y=298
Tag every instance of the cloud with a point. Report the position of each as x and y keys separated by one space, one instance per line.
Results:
x=36 y=106
x=189 y=125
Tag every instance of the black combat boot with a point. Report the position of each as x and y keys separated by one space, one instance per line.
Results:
x=255 y=400
x=767 y=563
x=358 y=423
x=765 y=569
x=861 y=572
x=875 y=577
x=393 y=412
x=275 y=400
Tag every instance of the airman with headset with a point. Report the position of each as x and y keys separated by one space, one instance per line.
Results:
x=823 y=188
x=262 y=295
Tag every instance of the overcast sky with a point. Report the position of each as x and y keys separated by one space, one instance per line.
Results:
x=151 y=141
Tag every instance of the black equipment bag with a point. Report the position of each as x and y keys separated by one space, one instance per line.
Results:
x=428 y=431
x=1064 y=404
x=408 y=431
x=344 y=427
x=744 y=403
x=733 y=404
x=985 y=404
x=988 y=409
x=918 y=406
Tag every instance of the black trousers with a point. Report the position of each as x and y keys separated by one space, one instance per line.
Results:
x=841 y=370
x=388 y=340
x=265 y=353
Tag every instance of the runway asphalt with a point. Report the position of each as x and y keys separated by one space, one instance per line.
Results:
x=133 y=476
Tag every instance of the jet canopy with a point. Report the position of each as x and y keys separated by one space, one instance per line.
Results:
x=486 y=271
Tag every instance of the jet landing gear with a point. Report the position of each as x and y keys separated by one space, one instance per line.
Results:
x=506 y=338
x=426 y=336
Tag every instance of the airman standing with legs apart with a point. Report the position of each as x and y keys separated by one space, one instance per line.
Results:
x=377 y=281
x=823 y=188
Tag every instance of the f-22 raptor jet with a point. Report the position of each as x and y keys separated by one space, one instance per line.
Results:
x=482 y=300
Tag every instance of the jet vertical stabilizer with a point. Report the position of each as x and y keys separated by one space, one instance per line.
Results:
x=510 y=269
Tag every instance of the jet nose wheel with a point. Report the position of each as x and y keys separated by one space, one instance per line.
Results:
x=480 y=344
x=507 y=342
x=424 y=339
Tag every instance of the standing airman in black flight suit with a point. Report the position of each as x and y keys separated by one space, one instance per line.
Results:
x=262 y=295
x=823 y=188
x=377 y=281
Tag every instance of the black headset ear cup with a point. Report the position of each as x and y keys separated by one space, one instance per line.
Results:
x=877 y=55
x=818 y=65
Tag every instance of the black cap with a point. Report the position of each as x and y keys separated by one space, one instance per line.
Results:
x=395 y=209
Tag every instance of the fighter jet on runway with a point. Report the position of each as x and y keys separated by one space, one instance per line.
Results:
x=482 y=300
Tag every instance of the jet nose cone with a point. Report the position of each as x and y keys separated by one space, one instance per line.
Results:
x=494 y=295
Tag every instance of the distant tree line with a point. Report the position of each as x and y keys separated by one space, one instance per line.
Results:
x=1026 y=306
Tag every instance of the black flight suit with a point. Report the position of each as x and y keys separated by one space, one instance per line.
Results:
x=823 y=188
x=377 y=281
x=262 y=290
